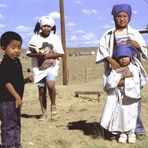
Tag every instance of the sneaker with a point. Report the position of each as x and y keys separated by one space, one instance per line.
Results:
x=131 y=137
x=122 y=138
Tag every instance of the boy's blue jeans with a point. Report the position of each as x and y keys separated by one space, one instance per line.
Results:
x=10 y=125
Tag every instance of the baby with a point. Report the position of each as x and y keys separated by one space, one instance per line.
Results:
x=45 y=49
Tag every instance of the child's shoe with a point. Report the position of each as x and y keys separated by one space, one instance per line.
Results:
x=43 y=117
x=122 y=138
x=131 y=137
x=54 y=114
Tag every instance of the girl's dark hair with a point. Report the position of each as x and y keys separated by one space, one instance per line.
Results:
x=54 y=29
x=7 y=37
x=37 y=28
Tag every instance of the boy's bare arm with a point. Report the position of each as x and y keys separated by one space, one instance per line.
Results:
x=11 y=89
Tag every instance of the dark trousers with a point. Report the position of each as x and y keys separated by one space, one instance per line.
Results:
x=10 y=125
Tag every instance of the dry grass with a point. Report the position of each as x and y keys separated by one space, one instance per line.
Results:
x=77 y=126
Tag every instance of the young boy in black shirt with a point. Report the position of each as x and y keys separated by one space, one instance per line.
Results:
x=11 y=89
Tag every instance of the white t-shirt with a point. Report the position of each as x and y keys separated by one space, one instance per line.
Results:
x=38 y=41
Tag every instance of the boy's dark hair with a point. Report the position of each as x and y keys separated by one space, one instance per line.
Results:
x=7 y=37
x=37 y=28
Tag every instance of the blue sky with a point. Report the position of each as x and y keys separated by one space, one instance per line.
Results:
x=85 y=20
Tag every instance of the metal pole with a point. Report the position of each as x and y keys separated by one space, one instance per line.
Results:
x=64 y=60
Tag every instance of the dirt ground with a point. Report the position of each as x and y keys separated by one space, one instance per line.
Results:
x=77 y=126
x=78 y=117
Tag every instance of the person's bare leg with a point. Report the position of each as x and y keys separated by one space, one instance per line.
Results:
x=52 y=94
x=43 y=100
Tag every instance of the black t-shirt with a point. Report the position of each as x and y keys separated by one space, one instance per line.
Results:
x=10 y=72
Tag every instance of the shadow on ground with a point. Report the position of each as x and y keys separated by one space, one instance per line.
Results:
x=90 y=129
x=30 y=116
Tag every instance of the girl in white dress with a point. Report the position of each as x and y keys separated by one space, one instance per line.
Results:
x=123 y=88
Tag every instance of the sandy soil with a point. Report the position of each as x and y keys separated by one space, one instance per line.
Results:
x=78 y=116
x=77 y=126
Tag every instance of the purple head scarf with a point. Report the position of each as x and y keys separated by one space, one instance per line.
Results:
x=124 y=50
x=122 y=8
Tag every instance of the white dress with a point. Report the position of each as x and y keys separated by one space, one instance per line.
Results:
x=121 y=107
x=37 y=41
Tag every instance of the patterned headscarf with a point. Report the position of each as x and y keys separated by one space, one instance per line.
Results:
x=122 y=8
